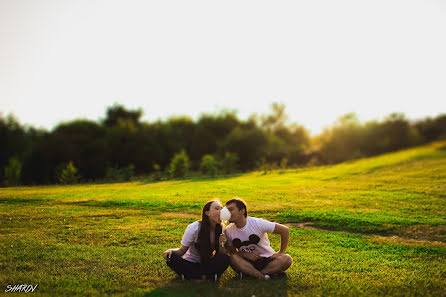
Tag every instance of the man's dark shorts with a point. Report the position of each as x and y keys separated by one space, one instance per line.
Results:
x=261 y=262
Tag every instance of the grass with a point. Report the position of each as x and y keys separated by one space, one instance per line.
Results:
x=374 y=227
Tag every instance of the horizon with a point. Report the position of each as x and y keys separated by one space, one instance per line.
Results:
x=150 y=121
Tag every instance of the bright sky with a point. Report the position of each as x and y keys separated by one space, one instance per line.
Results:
x=61 y=60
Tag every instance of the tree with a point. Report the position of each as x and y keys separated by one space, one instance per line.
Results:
x=276 y=119
x=248 y=142
x=342 y=141
x=229 y=164
x=13 y=172
x=69 y=174
x=210 y=131
x=209 y=165
x=83 y=142
x=119 y=115
x=174 y=135
x=283 y=163
x=125 y=173
x=432 y=129
x=15 y=141
x=179 y=165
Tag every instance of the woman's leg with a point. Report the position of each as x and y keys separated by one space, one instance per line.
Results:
x=184 y=267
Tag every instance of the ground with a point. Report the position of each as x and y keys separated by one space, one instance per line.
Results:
x=373 y=227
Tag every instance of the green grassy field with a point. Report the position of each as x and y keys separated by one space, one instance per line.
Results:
x=372 y=227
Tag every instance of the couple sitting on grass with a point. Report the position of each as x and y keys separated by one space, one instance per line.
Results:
x=205 y=245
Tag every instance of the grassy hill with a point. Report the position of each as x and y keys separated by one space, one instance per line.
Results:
x=374 y=226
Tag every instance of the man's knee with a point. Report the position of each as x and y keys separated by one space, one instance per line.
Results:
x=286 y=260
x=234 y=259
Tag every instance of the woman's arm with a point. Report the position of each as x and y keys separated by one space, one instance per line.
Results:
x=222 y=243
x=179 y=251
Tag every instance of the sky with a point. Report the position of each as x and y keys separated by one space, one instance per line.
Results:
x=62 y=60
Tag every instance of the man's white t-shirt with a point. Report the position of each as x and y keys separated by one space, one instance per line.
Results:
x=252 y=237
x=189 y=239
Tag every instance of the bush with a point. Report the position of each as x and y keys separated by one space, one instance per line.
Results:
x=12 y=172
x=209 y=165
x=125 y=173
x=157 y=172
x=128 y=172
x=264 y=166
x=179 y=164
x=283 y=163
x=229 y=163
x=69 y=175
x=113 y=173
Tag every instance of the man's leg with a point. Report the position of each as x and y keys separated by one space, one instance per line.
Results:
x=240 y=264
x=279 y=264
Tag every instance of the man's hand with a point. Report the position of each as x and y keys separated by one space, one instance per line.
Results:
x=250 y=256
x=276 y=255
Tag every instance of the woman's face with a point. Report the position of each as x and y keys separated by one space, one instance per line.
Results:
x=214 y=212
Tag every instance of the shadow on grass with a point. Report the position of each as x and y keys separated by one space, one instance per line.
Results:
x=192 y=179
x=23 y=200
x=230 y=287
x=151 y=205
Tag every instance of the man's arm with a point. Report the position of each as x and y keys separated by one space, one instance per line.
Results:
x=248 y=256
x=284 y=232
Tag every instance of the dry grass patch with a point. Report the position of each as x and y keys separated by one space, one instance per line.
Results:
x=405 y=241
x=179 y=215
x=425 y=232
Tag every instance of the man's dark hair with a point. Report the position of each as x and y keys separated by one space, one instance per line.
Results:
x=240 y=203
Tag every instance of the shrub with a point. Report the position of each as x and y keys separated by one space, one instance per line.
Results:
x=209 y=165
x=283 y=163
x=229 y=163
x=264 y=166
x=314 y=161
x=125 y=173
x=157 y=171
x=179 y=164
x=12 y=172
x=113 y=173
x=69 y=174
x=128 y=172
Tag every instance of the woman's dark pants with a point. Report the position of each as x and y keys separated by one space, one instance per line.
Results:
x=191 y=270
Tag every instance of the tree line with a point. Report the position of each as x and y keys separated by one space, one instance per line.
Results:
x=122 y=146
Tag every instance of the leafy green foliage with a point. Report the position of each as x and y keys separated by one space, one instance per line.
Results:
x=69 y=174
x=13 y=172
x=229 y=163
x=121 y=174
x=156 y=172
x=122 y=139
x=283 y=163
x=209 y=165
x=179 y=166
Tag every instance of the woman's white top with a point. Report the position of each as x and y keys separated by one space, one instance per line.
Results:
x=190 y=238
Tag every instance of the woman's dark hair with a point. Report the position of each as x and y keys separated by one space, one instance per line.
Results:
x=240 y=203
x=204 y=239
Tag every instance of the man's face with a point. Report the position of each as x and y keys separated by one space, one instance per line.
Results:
x=236 y=214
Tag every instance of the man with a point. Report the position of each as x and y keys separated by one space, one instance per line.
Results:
x=251 y=252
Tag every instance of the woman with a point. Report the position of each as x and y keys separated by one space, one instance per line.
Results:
x=202 y=247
